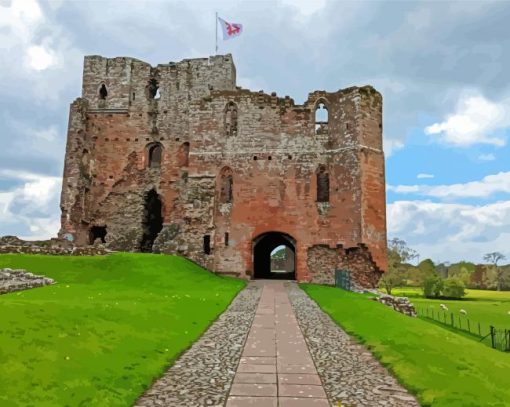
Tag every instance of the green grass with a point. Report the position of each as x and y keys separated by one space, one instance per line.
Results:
x=106 y=331
x=442 y=368
x=483 y=306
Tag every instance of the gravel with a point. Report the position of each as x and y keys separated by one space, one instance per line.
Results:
x=349 y=373
x=202 y=376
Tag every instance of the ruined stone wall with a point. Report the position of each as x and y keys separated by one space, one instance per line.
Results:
x=324 y=260
x=273 y=154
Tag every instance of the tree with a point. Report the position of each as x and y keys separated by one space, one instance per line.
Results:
x=398 y=254
x=497 y=274
x=432 y=286
x=462 y=270
x=453 y=287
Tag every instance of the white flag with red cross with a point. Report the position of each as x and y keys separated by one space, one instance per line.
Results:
x=230 y=30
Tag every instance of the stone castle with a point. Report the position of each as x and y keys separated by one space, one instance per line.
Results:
x=178 y=159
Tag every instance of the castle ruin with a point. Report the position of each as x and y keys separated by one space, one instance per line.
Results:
x=177 y=159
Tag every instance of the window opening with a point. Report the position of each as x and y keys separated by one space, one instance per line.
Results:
x=152 y=88
x=322 y=185
x=231 y=119
x=103 y=92
x=97 y=232
x=227 y=184
x=155 y=152
x=207 y=244
x=321 y=118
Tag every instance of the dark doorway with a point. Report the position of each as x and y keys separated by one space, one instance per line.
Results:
x=266 y=244
x=97 y=232
x=152 y=220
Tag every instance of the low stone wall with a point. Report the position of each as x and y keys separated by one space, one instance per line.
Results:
x=400 y=304
x=12 y=244
x=16 y=280
x=74 y=251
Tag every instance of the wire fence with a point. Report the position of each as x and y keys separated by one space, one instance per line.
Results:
x=494 y=337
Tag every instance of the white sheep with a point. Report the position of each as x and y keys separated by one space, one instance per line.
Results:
x=443 y=307
x=463 y=312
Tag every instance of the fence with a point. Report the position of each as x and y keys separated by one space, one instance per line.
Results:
x=497 y=338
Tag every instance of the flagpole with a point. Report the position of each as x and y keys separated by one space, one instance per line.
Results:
x=216 y=35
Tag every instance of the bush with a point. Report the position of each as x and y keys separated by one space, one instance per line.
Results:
x=454 y=288
x=432 y=286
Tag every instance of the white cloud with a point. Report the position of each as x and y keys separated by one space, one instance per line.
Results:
x=424 y=176
x=451 y=232
x=33 y=48
x=487 y=157
x=489 y=185
x=391 y=145
x=475 y=121
x=29 y=208
x=39 y=57
x=305 y=7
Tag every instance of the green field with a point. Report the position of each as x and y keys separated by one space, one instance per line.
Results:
x=106 y=330
x=483 y=306
x=443 y=368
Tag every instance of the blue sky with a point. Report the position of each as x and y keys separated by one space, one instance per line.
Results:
x=442 y=68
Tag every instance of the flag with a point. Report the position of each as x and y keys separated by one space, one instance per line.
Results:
x=230 y=30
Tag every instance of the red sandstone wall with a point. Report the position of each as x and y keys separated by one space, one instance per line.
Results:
x=106 y=174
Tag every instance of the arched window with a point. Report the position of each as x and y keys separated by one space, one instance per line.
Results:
x=321 y=117
x=184 y=155
x=226 y=185
x=103 y=92
x=322 y=184
x=155 y=151
x=231 y=119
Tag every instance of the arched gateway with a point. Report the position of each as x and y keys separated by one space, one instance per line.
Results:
x=263 y=246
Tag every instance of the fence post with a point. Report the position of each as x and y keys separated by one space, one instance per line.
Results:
x=460 y=323
x=479 y=330
x=493 y=337
x=451 y=315
x=469 y=327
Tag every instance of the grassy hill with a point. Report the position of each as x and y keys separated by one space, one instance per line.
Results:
x=442 y=368
x=106 y=330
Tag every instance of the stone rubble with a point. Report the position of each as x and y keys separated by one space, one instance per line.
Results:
x=12 y=244
x=349 y=373
x=16 y=280
x=203 y=375
x=400 y=304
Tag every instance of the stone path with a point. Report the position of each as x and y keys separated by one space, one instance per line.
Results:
x=283 y=352
x=276 y=368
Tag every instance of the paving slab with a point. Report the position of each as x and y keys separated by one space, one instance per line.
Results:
x=275 y=360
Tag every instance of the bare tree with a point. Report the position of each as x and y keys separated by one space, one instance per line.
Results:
x=494 y=258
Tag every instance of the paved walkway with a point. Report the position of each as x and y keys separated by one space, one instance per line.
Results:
x=276 y=368
x=274 y=347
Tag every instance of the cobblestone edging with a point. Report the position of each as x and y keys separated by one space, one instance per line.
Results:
x=16 y=280
x=349 y=373
x=202 y=376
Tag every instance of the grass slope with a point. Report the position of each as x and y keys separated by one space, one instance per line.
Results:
x=442 y=368
x=107 y=329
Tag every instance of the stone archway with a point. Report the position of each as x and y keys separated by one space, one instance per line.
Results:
x=263 y=246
